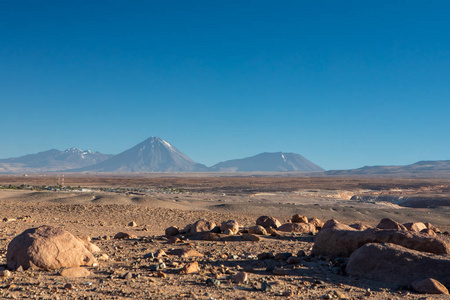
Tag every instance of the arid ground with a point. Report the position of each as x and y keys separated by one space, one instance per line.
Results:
x=100 y=206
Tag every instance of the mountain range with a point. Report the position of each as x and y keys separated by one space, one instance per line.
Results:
x=157 y=155
x=152 y=155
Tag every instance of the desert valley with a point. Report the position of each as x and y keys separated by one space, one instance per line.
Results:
x=195 y=236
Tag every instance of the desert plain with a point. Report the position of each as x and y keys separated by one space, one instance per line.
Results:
x=147 y=264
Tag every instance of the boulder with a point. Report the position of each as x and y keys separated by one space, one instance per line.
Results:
x=429 y=286
x=202 y=226
x=172 y=231
x=257 y=230
x=266 y=222
x=232 y=225
x=337 y=242
x=316 y=222
x=387 y=223
x=299 y=219
x=396 y=264
x=124 y=235
x=48 y=248
x=416 y=226
x=335 y=224
x=298 y=228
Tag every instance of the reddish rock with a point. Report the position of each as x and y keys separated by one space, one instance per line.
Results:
x=124 y=235
x=429 y=231
x=336 y=242
x=316 y=222
x=75 y=272
x=429 y=286
x=299 y=219
x=190 y=268
x=232 y=225
x=186 y=253
x=335 y=224
x=432 y=227
x=298 y=228
x=387 y=223
x=240 y=277
x=416 y=226
x=48 y=248
x=257 y=230
x=266 y=222
x=251 y=237
x=396 y=264
x=202 y=226
x=359 y=226
x=172 y=231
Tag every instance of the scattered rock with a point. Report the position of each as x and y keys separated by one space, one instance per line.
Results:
x=240 y=277
x=279 y=271
x=75 y=272
x=5 y=273
x=232 y=225
x=48 y=248
x=429 y=232
x=160 y=253
x=103 y=257
x=336 y=242
x=172 y=231
x=266 y=255
x=316 y=222
x=190 y=268
x=359 y=226
x=251 y=237
x=429 y=286
x=127 y=276
x=257 y=230
x=202 y=226
x=124 y=235
x=283 y=256
x=266 y=222
x=132 y=224
x=416 y=227
x=397 y=264
x=293 y=260
x=387 y=223
x=298 y=228
x=299 y=219
x=213 y=282
x=186 y=253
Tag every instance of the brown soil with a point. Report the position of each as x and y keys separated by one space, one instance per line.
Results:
x=110 y=202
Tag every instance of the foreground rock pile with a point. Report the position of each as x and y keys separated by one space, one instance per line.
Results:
x=297 y=259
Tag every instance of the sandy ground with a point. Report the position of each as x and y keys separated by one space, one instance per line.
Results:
x=108 y=204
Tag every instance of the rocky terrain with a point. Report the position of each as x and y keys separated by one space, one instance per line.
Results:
x=178 y=237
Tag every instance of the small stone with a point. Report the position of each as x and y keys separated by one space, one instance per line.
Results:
x=299 y=219
x=68 y=286
x=75 y=272
x=132 y=224
x=150 y=255
x=429 y=286
x=124 y=235
x=293 y=260
x=103 y=257
x=251 y=237
x=228 y=232
x=301 y=253
x=190 y=268
x=265 y=255
x=5 y=273
x=213 y=282
x=232 y=225
x=282 y=256
x=127 y=276
x=161 y=274
x=257 y=230
x=240 y=277
x=265 y=286
x=160 y=253
x=279 y=271
x=172 y=231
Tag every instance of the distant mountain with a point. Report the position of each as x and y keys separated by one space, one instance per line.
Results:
x=51 y=160
x=421 y=168
x=268 y=162
x=152 y=155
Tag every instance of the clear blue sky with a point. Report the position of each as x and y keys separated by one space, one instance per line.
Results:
x=343 y=83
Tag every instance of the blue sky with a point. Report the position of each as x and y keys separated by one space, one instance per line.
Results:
x=343 y=83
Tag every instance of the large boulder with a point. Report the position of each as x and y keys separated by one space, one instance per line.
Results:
x=298 y=228
x=334 y=242
x=231 y=225
x=415 y=226
x=202 y=226
x=397 y=264
x=387 y=223
x=48 y=248
x=267 y=221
